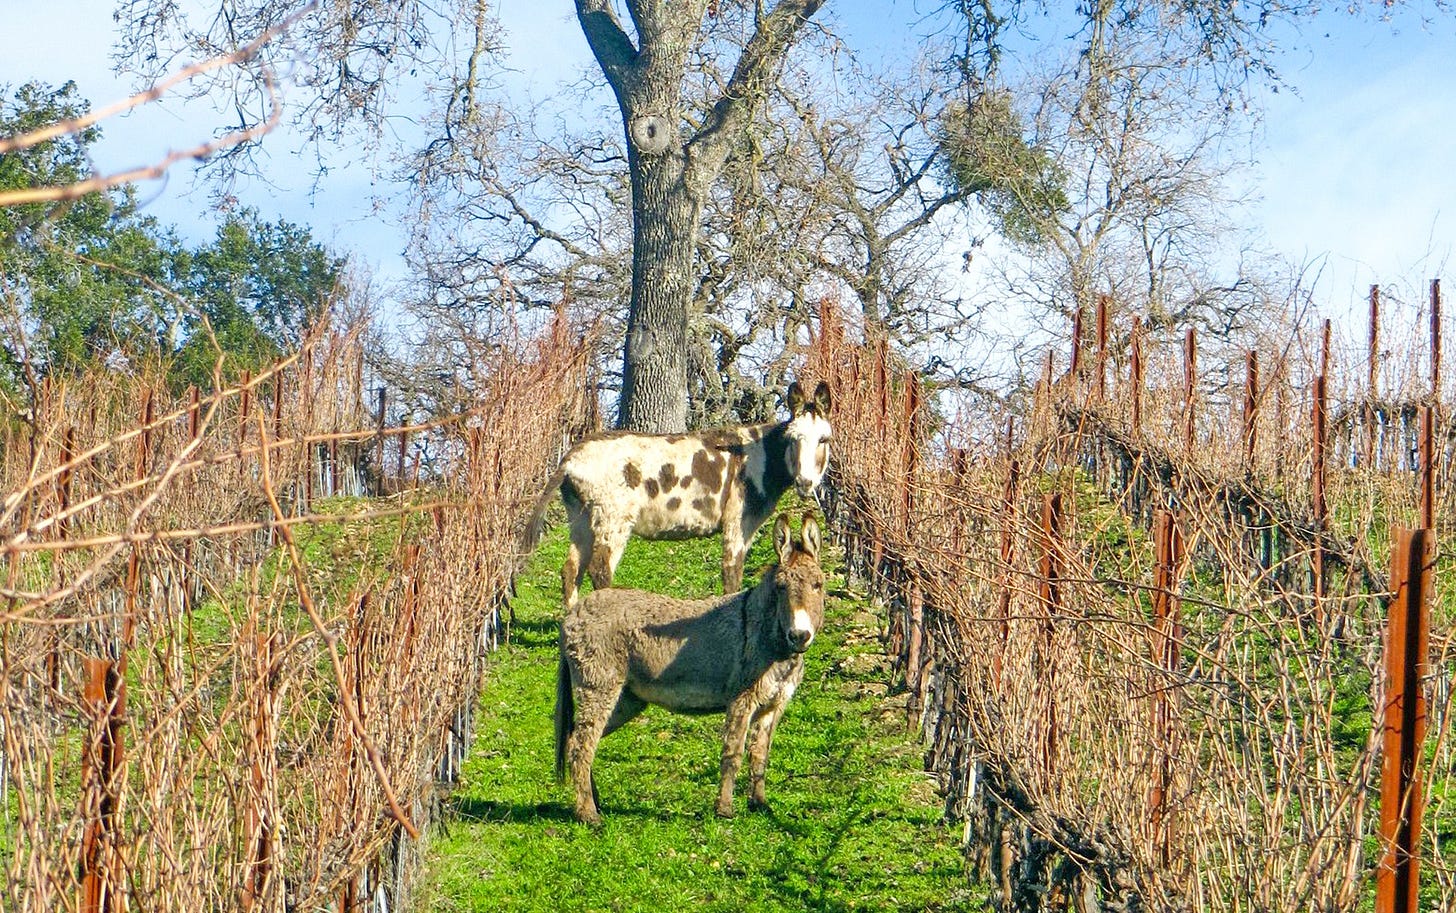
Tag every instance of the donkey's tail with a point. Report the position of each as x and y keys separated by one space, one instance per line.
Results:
x=565 y=710
x=537 y=524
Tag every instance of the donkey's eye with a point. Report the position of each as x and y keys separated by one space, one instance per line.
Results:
x=818 y=586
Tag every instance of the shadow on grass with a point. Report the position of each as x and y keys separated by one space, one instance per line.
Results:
x=475 y=810
x=488 y=811
x=536 y=633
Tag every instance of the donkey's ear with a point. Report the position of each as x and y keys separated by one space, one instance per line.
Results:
x=783 y=538
x=812 y=538
x=795 y=398
x=821 y=400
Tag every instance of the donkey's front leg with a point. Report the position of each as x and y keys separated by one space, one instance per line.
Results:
x=734 y=551
x=735 y=733
x=763 y=734
x=735 y=537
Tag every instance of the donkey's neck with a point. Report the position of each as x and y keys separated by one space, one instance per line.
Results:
x=767 y=481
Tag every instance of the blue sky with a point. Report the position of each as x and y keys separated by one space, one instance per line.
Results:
x=1355 y=169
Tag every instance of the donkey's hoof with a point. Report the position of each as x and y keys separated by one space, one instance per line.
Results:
x=759 y=805
x=724 y=810
x=589 y=818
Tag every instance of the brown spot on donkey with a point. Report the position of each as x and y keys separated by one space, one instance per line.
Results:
x=742 y=655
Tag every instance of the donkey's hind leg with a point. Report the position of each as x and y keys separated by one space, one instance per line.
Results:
x=581 y=749
x=609 y=541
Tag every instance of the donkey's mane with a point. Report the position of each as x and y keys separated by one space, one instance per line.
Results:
x=737 y=436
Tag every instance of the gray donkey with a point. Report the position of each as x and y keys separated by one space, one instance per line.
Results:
x=743 y=654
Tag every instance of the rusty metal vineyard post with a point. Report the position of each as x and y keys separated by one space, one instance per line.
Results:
x=914 y=592
x=1403 y=721
x=1319 y=410
x=1135 y=379
x=1190 y=388
x=1076 y=369
x=63 y=505
x=1050 y=592
x=1102 y=318
x=1010 y=496
x=104 y=698
x=261 y=819
x=1435 y=340
x=1372 y=379
x=1168 y=552
x=378 y=441
x=245 y=400
x=1251 y=410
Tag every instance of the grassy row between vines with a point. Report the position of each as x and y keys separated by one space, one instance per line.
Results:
x=855 y=825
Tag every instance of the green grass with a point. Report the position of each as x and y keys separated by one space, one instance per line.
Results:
x=855 y=824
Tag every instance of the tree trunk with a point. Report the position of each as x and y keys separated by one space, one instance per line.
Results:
x=664 y=232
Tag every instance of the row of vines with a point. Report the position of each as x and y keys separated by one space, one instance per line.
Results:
x=1142 y=623
x=224 y=684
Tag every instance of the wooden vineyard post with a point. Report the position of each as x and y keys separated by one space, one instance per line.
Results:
x=104 y=695
x=1051 y=600
x=1372 y=379
x=1429 y=463
x=958 y=470
x=303 y=423
x=1135 y=379
x=1403 y=726
x=882 y=386
x=910 y=457
x=1167 y=637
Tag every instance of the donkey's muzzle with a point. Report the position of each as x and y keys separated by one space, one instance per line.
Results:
x=805 y=489
x=799 y=640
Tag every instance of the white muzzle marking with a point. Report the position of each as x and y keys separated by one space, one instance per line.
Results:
x=803 y=624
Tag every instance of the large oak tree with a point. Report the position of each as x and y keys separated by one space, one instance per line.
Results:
x=673 y=164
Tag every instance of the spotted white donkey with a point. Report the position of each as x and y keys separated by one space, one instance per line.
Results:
x=679 y=486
